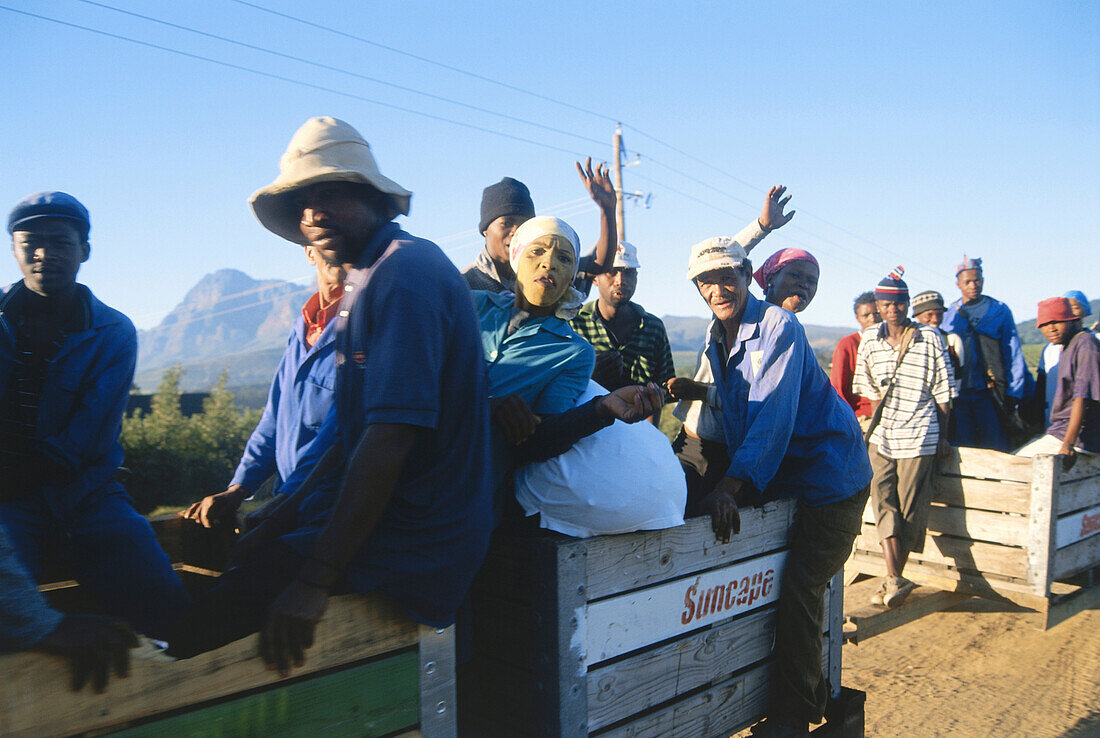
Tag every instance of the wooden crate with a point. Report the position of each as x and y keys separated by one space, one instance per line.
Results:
x=371 y=672
x=658 y=633
x=1006 y=526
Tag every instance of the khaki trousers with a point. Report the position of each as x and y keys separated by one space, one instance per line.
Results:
x=902 y=493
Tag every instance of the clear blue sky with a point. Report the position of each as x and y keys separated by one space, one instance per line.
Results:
x=907 y=134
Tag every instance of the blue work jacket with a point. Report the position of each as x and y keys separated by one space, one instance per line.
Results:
x=83 y=399
x=545 y=362
x=997 y=323
x=301 y=396
x=789 y=432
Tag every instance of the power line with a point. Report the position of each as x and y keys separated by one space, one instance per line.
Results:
x=340 y=70
x=751 y=186
x=426 y=60
x=290 y=80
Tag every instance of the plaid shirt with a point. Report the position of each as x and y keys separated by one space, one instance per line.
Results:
x=909 y=425
x=647 y=356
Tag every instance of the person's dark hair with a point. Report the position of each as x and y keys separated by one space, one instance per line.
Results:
x=746 y=267
x=867 y=298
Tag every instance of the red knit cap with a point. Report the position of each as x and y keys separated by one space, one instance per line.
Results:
x=1054 y=310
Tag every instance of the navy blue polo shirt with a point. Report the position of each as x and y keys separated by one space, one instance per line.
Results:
x=408 y=350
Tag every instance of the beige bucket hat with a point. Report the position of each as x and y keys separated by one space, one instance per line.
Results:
x=719 y=252
x=322 y=150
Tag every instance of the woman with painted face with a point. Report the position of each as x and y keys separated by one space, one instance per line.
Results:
x=789 y=279
x=538 y=366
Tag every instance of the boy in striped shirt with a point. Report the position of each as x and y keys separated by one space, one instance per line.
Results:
x=903 y=370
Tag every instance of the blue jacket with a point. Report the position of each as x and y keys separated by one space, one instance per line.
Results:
x=301 y=395
x=545 y=361
x=998 y=323
x=789 y=432
x=84 y=396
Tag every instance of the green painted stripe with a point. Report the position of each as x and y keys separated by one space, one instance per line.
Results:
x=369 y=700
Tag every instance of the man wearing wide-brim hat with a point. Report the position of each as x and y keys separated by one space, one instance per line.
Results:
x=401 y=500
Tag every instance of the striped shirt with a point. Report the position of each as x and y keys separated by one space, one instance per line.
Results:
x=909 y=425
x=646 y=354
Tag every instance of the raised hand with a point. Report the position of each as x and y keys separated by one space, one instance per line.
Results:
x=772 y=216
x=598 y=183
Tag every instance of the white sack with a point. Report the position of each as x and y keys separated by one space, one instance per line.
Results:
x=618 y=480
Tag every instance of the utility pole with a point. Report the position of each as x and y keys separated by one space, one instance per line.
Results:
x=620 y=220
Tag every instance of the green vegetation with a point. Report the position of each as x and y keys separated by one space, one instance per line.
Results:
x=174 y=460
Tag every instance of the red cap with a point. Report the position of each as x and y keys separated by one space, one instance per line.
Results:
x=1054 y=310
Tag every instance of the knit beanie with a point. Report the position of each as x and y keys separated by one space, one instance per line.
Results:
x=506 y=197
x=892 y=288
x=927 y=300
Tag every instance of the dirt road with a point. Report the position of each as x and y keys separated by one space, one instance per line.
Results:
x=979 y=669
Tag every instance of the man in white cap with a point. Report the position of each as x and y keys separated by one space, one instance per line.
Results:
x=789 y=435
x=401 y=501
x=631 y=345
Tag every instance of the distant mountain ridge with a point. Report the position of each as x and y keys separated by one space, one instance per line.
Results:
x=227 y=313
x=231 y=322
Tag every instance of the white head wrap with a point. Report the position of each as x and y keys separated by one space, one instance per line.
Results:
x=536 y=228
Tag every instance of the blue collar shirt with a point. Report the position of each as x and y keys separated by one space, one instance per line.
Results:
x=789 y=433
x=302 y=394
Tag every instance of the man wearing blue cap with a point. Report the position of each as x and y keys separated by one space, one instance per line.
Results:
x=994 y=376
x=66 y=364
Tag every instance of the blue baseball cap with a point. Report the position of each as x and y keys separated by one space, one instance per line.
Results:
x=49 y=205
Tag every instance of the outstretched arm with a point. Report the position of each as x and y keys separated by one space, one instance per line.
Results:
x=600 y=188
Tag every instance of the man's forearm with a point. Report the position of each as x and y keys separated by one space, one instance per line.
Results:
x=1076 y=420
x=369 y=481
x=608 y=242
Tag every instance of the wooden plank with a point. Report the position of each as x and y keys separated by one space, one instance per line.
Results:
x=559 y=667
x=869 y=621
x=982 y=494
x=34 y=697
x=618 y=625
x=1077 y=557
x=1041 y=540
x=952 y=580
x=438 y=707
x=720 y=710
x=624 y=562
x=1077 y=494
x=1086 y=467
x=980 y=463
x=978 y=525
x=975 y=556
x=624 y=688
x=374 y=699
x=1077 y=526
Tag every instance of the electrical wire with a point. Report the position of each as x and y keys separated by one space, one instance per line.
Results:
x=291 y=80
x=340 y=70
x=426 y=60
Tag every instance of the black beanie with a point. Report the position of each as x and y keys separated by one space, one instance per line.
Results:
x=506 y=197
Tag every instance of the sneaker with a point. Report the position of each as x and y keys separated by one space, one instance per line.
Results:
x=897 y=589
x=879 y=597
